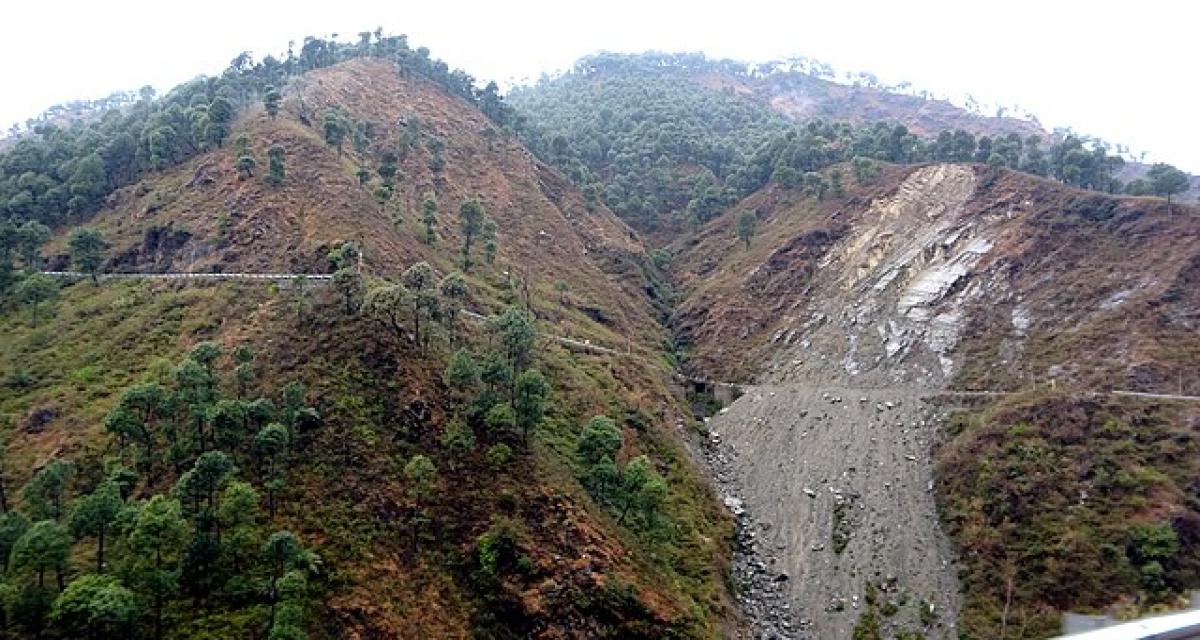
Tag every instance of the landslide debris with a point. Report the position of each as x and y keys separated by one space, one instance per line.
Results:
x=840 y=480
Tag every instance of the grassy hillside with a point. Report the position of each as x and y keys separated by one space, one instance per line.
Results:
x=493 y=544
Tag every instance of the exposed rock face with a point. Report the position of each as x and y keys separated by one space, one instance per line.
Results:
x=903 y=269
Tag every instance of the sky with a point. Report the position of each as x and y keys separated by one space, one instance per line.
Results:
x=1124 y=72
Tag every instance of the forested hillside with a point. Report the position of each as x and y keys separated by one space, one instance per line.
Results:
x=358 y=456
x=671 y=140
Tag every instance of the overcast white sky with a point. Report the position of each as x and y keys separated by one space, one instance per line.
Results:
x=1123 y=71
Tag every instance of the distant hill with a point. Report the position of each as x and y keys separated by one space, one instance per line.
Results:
x=667 y=139
x=802 y=96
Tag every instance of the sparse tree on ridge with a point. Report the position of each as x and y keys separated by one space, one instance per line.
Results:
x=245 y=166
x=418 y=281
x=220 y=115
x=335 y=130
x=383 y=193
x=94 y=514
x=597 y=451
x=462 y=376
x=815 y=185
x=45 y=494
x=516 y=335
x=529 y=401
x=30 y=237
x=836 y=187
x=429 y=210
x=421 y=474
x=46 y=546
x=348 y=282
x=271 y=99
x=600 y=439
x=157 y=541
x=388 y=304
x=275 y=171
x=471 y=219
x=453 y=290
x=35 y=290
x=488 y=233
x=271 y=443
x=1166 y=181
x=87 y=250
x=387 y=166
x=459 y=441
x=866 y=170
x=95 y=606
x=641 y=488
x=746 y=224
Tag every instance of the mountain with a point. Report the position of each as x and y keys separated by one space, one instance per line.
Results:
x=668 y=140
x=397 y=499
x=957 y=329
x=341 y=344
x=804 y=96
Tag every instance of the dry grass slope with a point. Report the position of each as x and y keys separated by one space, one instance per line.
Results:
x=381 y=401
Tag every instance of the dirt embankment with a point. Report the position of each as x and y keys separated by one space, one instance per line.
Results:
x=840 y=483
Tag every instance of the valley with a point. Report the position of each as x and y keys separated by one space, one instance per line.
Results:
x=343 y=345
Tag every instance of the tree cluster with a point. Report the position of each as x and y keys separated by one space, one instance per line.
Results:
x=635 y=488
x=177 y=513
x=415 y=307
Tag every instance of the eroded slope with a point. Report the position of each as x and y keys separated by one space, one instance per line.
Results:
x=201 y=217
x=959 y=277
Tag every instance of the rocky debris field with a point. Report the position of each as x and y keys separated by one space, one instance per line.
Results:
x=833 y=488
x=761 y=589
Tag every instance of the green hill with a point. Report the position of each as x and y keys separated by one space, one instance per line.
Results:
x=298 y=459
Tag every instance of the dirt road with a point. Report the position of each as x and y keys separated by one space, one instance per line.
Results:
x=839 y=481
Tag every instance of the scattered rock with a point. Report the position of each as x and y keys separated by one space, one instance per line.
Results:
x=38 y=418
x=761 y=593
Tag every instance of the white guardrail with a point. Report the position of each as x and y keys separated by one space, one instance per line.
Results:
x=191 y=276
x=1176 y=626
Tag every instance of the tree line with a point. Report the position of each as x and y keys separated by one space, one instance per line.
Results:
x=641 y=135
